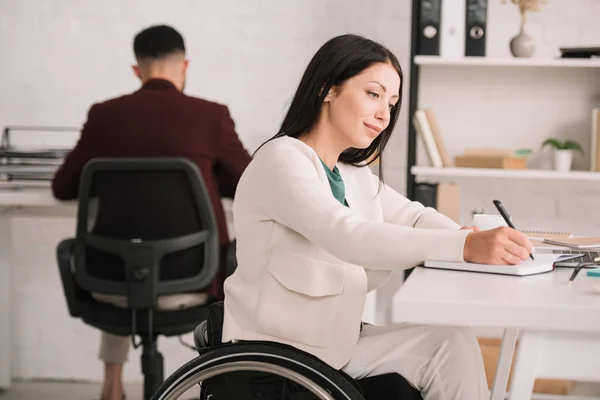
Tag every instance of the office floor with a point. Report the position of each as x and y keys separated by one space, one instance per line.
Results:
x=28 y=390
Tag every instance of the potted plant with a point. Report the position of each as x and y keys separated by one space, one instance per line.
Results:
x=523 y=45
x=563 y=152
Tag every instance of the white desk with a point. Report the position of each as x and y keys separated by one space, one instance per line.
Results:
x=35 y=200
x=31 y=201
x=559 y=325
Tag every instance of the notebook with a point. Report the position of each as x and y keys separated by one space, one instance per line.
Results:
x=543 y=263
x=548 y=234
x=576 y=243
x=542 y=238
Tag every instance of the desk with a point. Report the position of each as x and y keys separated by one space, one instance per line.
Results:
x=559 y=325
x=34 y=200
x=31 y=200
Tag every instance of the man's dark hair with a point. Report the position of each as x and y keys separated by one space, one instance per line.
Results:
x=157 y=42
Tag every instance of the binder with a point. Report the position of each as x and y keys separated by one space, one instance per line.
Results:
x=426 y=194
x=452 y=37
x=476 y=28
x=429 y=28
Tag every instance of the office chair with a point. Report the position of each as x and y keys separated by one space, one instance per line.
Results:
x=155 y=234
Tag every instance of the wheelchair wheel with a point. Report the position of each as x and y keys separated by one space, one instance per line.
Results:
x=302 y=375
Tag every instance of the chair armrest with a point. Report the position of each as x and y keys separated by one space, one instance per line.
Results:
x=64 y=255
x=231 y=258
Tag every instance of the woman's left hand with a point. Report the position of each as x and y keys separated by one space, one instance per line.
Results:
x=470 y=228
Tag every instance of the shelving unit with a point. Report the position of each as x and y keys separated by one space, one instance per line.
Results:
x=482 y=65
x=448 y=174
x=507 y=62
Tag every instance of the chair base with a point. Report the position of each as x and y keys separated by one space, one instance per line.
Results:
x=152 y=367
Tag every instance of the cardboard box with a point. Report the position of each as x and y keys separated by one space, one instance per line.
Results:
x=487 y=151
x=503 y=162
x=490 y=349
x=448 y=200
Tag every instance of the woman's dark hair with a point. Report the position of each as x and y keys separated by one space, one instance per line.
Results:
x=338 y=60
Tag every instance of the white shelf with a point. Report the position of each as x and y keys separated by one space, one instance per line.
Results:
x=508 y=62
x=447 y=174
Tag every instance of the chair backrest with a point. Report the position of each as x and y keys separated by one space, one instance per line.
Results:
x=155 y=224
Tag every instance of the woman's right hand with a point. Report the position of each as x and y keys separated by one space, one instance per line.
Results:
x=503 y=245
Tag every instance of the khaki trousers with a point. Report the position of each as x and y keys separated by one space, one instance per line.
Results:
x=115 y=349
x=443 y=363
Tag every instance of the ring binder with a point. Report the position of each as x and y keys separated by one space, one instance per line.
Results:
x=476 y=28
x=429 y=28
x=452 y=39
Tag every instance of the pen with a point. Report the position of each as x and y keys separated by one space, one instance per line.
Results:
x=506 y=217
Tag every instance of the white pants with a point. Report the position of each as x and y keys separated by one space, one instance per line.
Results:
x=115 y=349
x=443 y=363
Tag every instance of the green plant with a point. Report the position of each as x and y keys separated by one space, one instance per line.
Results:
x=562 y=145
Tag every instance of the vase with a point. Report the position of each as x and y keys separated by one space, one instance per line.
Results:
x=563 y=160
x=522 y=45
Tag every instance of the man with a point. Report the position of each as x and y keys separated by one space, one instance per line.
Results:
x=158 y=120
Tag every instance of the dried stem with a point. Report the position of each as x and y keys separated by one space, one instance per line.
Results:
x=526 y=6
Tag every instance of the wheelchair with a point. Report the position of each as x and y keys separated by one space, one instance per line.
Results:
x=260 y=370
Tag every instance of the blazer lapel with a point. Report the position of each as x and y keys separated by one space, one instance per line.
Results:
x=354 y=195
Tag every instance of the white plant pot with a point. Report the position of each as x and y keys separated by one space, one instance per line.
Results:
x=563 y=160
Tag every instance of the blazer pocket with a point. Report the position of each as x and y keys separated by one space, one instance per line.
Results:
x=299 y=299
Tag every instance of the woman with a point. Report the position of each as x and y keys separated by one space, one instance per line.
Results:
x=317 y=230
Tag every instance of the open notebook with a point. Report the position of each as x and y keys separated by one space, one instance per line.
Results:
x=542 y=263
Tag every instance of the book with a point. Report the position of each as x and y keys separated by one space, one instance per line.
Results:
x=437 y=137
x=542 y=263
x=576 y=243
x=424 y=130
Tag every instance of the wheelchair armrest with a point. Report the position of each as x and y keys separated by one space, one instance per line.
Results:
x=64 y=255
x=201 y=335
x=231 y=261
x=214 y=324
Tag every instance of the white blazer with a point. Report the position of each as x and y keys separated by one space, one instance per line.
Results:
x=306 y=262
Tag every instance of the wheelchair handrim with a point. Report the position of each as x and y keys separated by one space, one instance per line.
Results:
x=248 y=366
x=191 y=378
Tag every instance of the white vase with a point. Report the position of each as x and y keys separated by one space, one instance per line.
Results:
x=522 y=45
x=562 y=160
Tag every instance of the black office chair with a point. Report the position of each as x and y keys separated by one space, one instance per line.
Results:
x=155 y=234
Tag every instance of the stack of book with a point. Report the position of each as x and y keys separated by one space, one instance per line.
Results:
x=428 y=129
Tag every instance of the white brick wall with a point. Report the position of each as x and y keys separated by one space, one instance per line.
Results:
x=60 y=56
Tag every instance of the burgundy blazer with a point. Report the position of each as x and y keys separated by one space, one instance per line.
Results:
x=160 y=121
